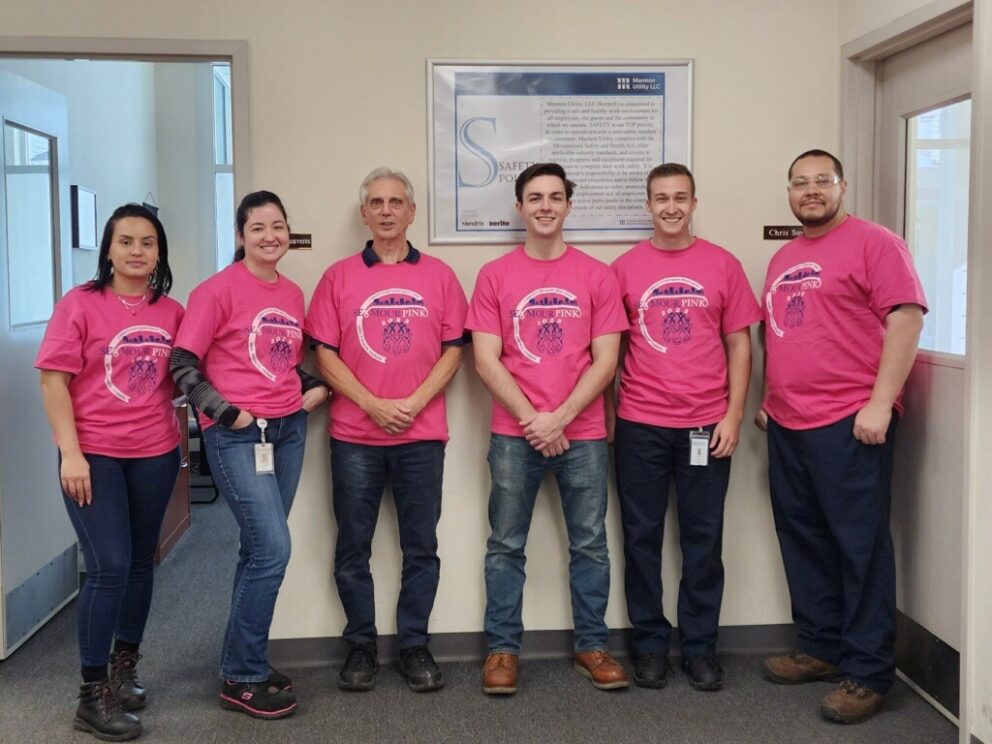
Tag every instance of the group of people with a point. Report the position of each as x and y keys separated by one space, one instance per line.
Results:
x=842 y=309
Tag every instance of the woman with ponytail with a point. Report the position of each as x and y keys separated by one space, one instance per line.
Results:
x=237 y=358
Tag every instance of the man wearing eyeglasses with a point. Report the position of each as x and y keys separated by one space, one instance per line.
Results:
x=843 y=312
x=388 y=322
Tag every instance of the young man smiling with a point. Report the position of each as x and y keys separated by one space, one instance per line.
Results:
x=546 y=322
x=683 y=384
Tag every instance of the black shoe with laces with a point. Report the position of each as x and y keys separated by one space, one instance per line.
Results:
x=100 y=714
x=358 y=672
x=651 y=670
x=704 y=672
x=257 y=699
x=420 y=669
x=124 y=680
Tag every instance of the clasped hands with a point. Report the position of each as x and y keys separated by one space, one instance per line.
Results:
x=545 y=432
x=393 y=415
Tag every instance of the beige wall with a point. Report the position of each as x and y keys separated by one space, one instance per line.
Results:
x=338 y=88
x=858 y=17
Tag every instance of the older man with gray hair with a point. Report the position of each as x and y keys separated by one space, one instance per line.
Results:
x=388 y=326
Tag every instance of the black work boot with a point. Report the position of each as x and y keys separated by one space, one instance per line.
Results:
x=420 y=669
x=704 y=672
x=99 y=714
x=124 y=680
x=651 y=670
x=358 y=672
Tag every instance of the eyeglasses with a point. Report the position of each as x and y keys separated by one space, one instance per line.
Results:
x=821 y=182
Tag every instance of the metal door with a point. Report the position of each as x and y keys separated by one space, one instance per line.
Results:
x=38 y=554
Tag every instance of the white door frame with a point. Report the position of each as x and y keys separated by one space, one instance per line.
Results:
x=857 y=114
x=160 y=50
x=857 y=117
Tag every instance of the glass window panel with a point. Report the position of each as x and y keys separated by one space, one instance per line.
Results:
x=224 y=217
x=938 y=144
x=30 y=234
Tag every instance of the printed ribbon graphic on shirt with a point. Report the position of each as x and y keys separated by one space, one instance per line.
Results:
x=673 y=296
x=394 y=307
x=147 y=348
x=555 y=305
x=796 y=281
x=282 y=330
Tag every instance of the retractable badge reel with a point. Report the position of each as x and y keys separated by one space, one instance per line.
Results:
x=699 y=447
x=264 y=460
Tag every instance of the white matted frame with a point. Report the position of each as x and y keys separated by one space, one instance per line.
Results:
x=606 y=122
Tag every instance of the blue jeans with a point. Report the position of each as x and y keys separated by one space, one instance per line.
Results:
x=831 y=497
x=647 y=459
x=118 y=532
x=260 y=504
x=517 y=470
x=358 y=477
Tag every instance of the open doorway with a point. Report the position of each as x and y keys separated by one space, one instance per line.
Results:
x=152 y=132
x=148 y=122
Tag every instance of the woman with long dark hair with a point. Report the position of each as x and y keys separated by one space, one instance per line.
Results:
x=108 y=396
x=237 y=358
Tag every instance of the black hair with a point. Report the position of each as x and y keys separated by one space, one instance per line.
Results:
x=838 y=168
x=542 y=169
x=160 y=281
x=666 y=170
x=252 y=200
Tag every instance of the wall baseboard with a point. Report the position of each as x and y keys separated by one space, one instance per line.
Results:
x=929 y=662
x=537 y=644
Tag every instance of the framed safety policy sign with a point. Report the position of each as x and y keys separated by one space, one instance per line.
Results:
x=607 y=124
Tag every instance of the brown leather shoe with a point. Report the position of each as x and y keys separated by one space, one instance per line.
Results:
x=604 y=671
x=795 y=668
x=850 y=703
x=499 y=674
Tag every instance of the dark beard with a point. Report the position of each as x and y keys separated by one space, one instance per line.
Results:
x=818 y=221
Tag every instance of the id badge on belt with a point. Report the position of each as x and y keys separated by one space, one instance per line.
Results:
x=699 y=447
x=265 y=461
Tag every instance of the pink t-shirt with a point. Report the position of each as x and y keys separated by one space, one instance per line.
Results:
x=680 y=305
x=825 y=302
x=387 y=323
x=547 y=313
x=121 y=389
x=248 y=335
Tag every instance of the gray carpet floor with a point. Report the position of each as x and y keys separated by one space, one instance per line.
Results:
x=554 y=704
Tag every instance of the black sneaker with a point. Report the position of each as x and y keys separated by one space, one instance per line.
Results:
x=420 y=669
x=279 y=681
x=124 y=680
x=651 y=670
x=256 y=699
x=704 y=673
x=100 y=714
x=358 y=672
